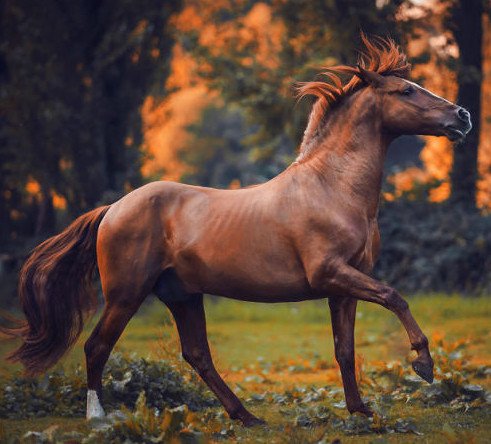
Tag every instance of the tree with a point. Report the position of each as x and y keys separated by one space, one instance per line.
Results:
x=466 y=23
x=255 y=65
x=215 y=152
x=78 y=72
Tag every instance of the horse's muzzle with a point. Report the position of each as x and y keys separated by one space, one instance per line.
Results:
x=461 y=125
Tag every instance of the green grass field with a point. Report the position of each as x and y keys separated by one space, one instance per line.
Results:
x=275 y=355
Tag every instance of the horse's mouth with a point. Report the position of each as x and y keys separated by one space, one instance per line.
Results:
x=454 y=133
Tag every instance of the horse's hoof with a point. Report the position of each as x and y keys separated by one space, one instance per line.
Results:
x=90 y=416
x=423 y=369
x=252 y=421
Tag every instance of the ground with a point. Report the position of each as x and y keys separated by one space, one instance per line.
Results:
x=279 y=359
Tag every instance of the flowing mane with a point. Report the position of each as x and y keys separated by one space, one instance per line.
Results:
x=381 y=55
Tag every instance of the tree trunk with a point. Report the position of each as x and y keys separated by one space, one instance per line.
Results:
x=46 y=218
x=467 y=16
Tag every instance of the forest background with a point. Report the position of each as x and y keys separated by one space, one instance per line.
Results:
x=96 y=101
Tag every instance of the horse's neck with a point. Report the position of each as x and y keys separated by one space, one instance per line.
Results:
x=349 y=158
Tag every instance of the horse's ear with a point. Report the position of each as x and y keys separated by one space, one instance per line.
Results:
x=370 y=77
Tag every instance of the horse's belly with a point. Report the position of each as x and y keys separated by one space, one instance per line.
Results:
x=260 y=291
x=253 y=277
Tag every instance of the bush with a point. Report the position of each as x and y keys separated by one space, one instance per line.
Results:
x=59 y=394
x=434 y=247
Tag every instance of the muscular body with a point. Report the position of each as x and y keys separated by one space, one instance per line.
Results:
x=309 y=233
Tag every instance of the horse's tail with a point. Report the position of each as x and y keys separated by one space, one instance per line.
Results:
x=55 y=291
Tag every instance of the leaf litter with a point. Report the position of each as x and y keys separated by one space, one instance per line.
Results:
x=151 y=402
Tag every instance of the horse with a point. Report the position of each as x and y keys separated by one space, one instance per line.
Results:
x=309 y=233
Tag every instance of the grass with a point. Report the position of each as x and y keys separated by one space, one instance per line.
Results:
x=262 y=350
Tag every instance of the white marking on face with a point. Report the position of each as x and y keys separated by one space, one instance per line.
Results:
x=94 y=408
x=427 y=92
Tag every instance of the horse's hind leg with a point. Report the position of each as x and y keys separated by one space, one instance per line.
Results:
x=343 y=313
x=129 y=261
x=98 y=347
x=125 y=286
x=191 y=325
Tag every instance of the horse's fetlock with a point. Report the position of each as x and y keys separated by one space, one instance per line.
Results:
x=421 y=344
x=237 y=412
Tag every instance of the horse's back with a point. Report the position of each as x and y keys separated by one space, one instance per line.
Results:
x=225 y=242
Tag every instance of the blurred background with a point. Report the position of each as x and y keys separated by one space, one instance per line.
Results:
x=97 y=99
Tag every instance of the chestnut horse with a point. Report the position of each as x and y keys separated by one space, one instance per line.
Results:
x=309 y=233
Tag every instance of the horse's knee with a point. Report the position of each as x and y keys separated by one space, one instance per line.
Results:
x=392 y=300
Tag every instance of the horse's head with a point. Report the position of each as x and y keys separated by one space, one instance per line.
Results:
x=380 y=80
x=407 y=108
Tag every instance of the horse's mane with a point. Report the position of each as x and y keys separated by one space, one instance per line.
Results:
x=381 y=55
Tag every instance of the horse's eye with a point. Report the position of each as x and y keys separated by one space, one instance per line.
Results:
x=408 y=91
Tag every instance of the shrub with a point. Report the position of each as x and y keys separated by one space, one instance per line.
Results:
x=60 y=394
x=434 y=247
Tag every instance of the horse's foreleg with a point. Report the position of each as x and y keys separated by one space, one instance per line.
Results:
x=349 y=282
x=191 y=325
x=343 y=313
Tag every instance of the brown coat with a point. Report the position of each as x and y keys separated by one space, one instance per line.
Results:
x=311 y=232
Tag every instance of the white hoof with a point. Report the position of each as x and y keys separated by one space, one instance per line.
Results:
x=94 y=407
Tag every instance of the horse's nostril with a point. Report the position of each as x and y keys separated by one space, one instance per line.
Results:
x=463 y=114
